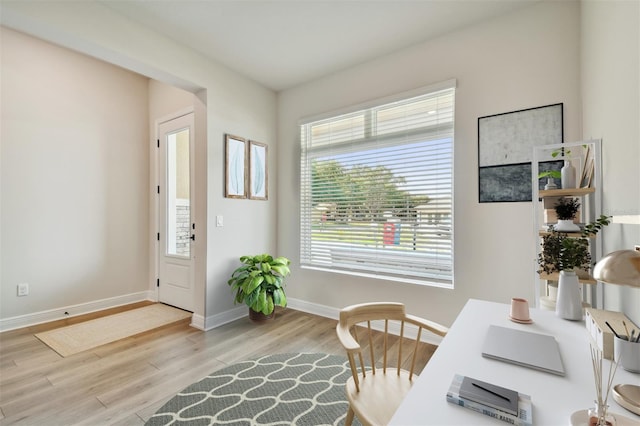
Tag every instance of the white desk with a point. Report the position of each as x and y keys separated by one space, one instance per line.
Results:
x=554 y=398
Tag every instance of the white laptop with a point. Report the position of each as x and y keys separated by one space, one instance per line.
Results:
x=533 y=350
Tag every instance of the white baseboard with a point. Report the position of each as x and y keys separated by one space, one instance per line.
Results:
x=223 y=318
x=21 y=321
x=334 y=313
x=197 y=321
x=314 y=308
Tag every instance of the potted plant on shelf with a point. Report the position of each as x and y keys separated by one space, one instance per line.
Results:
x=259 y=283
x=566 y=209
x=565 y=255
x=551 y=175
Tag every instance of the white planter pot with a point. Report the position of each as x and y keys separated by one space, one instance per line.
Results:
x=552 y=291
x=566 y=226
x=551 y=184
x=569 y=304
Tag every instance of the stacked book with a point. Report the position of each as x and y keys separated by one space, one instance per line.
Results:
x=491 y=400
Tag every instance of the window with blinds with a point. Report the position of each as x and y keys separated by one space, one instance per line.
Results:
x=376 y=190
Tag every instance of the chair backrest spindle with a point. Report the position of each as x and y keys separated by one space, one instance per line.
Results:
x=415 y=353
x=371 y=351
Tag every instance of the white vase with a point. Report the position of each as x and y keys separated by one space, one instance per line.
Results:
x=569 y=303
x=568 y=175
x=551 y=184
x=566 y=226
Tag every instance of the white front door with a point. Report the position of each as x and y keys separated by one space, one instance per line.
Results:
x=176 y=227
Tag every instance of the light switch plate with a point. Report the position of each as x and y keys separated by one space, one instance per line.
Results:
x=23 y=289
x=219 y=221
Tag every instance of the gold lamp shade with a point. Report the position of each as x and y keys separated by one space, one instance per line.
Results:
x=619 y=267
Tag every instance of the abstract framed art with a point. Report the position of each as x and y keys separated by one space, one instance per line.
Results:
x=505 y=148
x=258 y=171
x=235 y=167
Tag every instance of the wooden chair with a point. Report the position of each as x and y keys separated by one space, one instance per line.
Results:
x=375 y=390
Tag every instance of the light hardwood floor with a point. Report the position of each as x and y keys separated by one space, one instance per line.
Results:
x=125 y=382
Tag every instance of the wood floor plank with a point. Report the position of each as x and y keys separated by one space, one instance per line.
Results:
x=124 y=383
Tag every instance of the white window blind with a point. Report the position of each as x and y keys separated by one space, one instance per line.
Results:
x=376 y=190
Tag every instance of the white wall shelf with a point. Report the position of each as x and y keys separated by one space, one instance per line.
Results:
x=589 y=190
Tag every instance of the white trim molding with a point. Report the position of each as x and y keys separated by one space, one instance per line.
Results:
x=197 y=321
x=334 y=313
x=21 y=321
x=222 y=318
x=314 y=308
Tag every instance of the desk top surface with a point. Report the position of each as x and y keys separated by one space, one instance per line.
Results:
x=555 y=398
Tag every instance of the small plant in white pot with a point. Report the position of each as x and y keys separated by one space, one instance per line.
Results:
x=564 y=254
x=566 y=210
x=551 y=175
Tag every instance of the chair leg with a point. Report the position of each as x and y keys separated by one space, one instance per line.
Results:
x=349 y=418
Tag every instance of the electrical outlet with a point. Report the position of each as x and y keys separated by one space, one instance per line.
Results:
x=23 y=289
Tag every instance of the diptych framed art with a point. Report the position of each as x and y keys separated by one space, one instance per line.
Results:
x=505 y=148
x=246 y=170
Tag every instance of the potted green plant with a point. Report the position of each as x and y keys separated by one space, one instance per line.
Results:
x=259 y=283
x=550 y=175
x=566 y=209
x=565 y=255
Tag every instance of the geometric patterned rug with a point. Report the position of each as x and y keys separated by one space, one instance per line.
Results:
x=282 y=389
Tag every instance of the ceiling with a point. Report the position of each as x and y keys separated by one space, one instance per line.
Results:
x=281 y=44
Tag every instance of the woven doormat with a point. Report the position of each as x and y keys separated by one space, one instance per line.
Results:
x=86 y=335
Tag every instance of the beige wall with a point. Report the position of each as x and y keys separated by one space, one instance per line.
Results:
x=75 y=174
x=611 y=98
x=234 y=105
x=521 y=60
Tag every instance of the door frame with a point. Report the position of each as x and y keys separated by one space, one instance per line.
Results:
x=156 y=203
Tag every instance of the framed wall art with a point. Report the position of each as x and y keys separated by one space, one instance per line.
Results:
x=505 y=147
x=235 y=167
x=587 y=169
x=258 y=171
